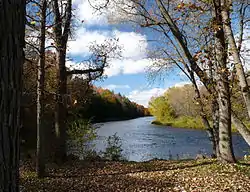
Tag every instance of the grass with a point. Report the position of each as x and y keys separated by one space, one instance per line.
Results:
x=158 y=175
x=182 y=122
x=189 y=122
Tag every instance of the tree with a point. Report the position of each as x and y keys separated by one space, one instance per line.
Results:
x=223 y=89
x=161 y=109
x=40 y=161
x=95 y=65
x=12 y=29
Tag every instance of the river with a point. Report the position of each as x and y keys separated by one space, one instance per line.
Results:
x=143 y=141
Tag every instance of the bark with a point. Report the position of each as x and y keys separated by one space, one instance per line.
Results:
x=226 y=4
x=12 y=28
x=61 y=108
x=40 y=162
x=216 y=120
x=223 y=90
x=61 y=31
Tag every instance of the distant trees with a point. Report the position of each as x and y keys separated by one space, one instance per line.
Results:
x=12 y=29
x=111 y=106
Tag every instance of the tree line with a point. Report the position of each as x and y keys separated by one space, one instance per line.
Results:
x=177 y=107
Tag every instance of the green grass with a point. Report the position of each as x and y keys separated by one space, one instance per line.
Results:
x=189 y=122
x=182 y=122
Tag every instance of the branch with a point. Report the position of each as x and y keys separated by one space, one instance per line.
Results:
x=84 y=71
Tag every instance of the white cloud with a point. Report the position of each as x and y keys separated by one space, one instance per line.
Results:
x=113 y=86
x=80 y=46
x=134 y=45
x=128 y=66
x=134 y=50
x=143 y=96
x=181 y=84
x=114 y=12
x=86 y=13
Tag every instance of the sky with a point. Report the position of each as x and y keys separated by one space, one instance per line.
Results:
x=129 y=74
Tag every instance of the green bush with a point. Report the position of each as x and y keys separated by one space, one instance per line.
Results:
x=188 y=122
x=113 y=151
x=182 y=122
x=80 y=132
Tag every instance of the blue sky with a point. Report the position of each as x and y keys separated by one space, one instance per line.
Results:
x=127 y=75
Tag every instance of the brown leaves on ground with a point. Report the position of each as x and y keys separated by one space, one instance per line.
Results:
x=154 y=176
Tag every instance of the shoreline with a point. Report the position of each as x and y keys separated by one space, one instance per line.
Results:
x=183 y=125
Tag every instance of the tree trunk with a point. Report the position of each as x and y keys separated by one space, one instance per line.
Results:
x=235 y=52
x=61 y=31
x=216 y=121
x=40 y=162
x=223 y=90
x=61 y=108
x=12 y=28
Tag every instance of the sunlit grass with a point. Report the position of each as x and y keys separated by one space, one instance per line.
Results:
x=189 y=122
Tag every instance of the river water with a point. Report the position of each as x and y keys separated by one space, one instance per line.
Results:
x=143 y=141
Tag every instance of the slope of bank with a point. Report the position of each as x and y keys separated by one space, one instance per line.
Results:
x=189 y=123
x=157 y=175
x=182 y=122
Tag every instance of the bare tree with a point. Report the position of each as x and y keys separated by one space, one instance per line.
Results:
x=12 y=29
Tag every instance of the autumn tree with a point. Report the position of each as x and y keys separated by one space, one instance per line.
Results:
x=12 y=29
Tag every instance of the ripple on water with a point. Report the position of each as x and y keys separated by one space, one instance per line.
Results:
x=142 y=141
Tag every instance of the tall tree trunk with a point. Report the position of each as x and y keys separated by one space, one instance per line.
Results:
x=61 y=108
x=40 y=162
x=226 y=5
x=223 y=90
x=12 y=28
x=61 y=31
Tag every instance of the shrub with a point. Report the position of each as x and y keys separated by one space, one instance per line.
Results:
x=80 y=133
x=114 y=150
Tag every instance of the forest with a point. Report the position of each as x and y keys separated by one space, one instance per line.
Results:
x=48 y=103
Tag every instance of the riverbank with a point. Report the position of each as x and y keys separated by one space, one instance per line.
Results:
x=182 y=122
x=116 y=119
x=158 y=175
x=187 y=122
